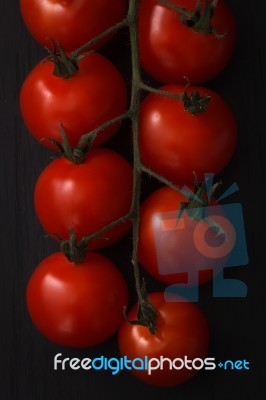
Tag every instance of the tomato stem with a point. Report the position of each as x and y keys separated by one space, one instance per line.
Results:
x=113 y=29
x=87 y=140
x=78 y=154
x=160 y=178
x=181 y=10
x=147 y=313
x=74 y=250
x=160 y=92
x=64 y=67
x=194 y=103
x=67 y=66
x=99 y=233
x=197 y=20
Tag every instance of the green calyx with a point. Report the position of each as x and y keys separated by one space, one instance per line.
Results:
x=195 y=103
x=73 y=154
x=74 y=250
x=200 y=19
x=197 y=204
x=64 y=67
x=147 y=314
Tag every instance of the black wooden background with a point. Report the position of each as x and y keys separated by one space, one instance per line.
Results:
x=237 y=325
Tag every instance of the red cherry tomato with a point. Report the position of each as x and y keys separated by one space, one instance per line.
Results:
x=175 y=251
x=76 y=305
x=181 y=331
x=72 y=22
x=169 y=50
x=85 y=197
x=176 y=143
x=96 y=94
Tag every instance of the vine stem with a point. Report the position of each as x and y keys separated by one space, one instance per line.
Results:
x=131 y=214
x=174 y=7
x=134 y=112
x=135 y=109
x=160 y=92
x=147 y=314
x=91 y=136
x=160 y=178
x=113 y=29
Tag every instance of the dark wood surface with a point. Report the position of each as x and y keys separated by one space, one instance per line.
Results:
x=237 y=325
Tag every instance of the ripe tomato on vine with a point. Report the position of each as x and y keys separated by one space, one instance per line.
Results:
x=172 y=248
x=182 y=330
x=197 y=46
x=94 y=94
x=178 y=138
x=77 y=305
x=72 y=23
x=85 y=197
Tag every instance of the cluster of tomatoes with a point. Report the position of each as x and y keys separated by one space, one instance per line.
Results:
x=77 y=298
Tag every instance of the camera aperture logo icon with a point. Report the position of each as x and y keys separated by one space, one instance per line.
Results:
x=214 y=241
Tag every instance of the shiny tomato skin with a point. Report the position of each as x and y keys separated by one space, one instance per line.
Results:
x=182 y=330
x=176 y=143
x=73 y=22
x=170 y=51
x=96 y=94
x=182 y=250
x=85 y=197
x=76 y=305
